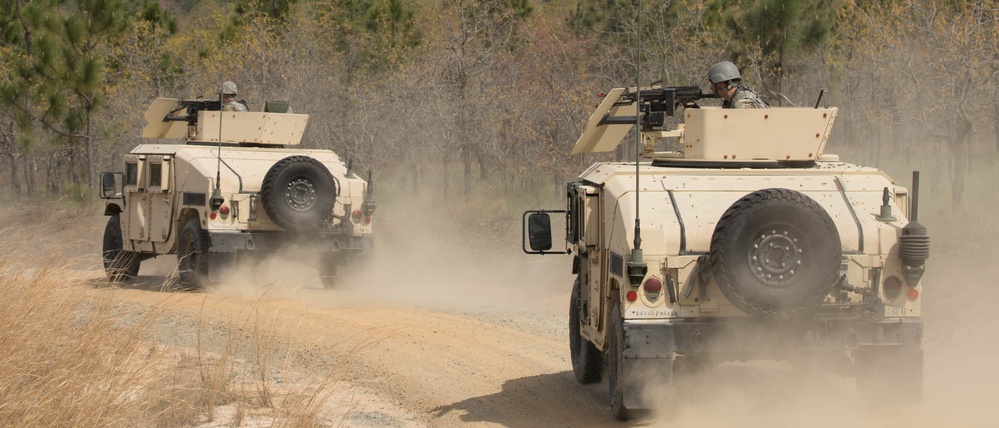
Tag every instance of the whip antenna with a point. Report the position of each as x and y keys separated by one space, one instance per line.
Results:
x=217 y=198
x=637 y=267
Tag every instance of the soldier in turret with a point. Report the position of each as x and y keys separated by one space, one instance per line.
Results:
x=726 y=83
x=229 y=101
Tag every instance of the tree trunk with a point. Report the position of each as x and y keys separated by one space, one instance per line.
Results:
x=91 y=167
x=52 y=174
x=14 y=182
x=445 y=176
x=29 y=171
x=483 y=168
x=959 y=160
x=466 y=159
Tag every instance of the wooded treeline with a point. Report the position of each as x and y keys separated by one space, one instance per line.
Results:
x=453 y=96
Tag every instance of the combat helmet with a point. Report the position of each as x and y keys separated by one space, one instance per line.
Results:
x=723 y=72
x=229 y=88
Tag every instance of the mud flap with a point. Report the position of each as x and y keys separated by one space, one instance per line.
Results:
x=648 y=367
x=648 y=383
x=218 y=264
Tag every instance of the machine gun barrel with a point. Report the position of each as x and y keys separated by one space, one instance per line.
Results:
x=657 y=103
x=191 y=108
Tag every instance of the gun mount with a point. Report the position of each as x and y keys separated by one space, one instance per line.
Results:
x=191 y=108
x=203 y=121
x=736 y=137
x=656 y=105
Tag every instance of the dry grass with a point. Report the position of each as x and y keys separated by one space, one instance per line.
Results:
x=68 y=360
x=73 y=354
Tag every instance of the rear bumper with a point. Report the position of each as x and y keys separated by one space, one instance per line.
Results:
x=757 y=339
x=650 y=346
x=269 y=242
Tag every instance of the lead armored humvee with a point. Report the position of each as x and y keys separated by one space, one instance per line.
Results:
x=747 y=243
x=237 y=186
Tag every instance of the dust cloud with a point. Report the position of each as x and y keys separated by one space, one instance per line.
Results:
x=422 y=260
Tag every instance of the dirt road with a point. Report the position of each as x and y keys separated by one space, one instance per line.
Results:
x=441 y=336
x=433 y=362
x=470 y=352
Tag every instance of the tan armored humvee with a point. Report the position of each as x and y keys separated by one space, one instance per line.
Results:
x=748 y=243
x=237 y=185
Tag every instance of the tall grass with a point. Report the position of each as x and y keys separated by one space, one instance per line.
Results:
x=75 y=351
x=68 y=360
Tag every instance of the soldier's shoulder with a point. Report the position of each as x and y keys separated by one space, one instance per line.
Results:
x=747 y=98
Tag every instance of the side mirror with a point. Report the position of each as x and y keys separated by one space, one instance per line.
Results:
x=111 y=185
x=538 y=231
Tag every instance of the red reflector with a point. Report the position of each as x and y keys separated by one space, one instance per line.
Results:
x=224 y=210
x=212 y=216
x=913 y=294
x=653 y=285
x=632 y=296
x=367 y=220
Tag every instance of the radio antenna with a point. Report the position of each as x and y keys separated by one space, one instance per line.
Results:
x=637 y=267
x=217 y=198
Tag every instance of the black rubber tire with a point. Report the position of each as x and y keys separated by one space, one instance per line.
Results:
x=119 y=264
x=298 y=193
x=192 y=256
x=775 y=253
x=587 y=361
x=615 y=365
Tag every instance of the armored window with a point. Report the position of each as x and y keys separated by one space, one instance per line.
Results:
x=132 y=174
x=155 y=174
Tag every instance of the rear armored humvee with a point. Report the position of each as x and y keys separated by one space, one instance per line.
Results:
x=748 y=243
x=238 y=186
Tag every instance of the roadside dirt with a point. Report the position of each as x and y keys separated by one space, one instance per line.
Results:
x=434 y=334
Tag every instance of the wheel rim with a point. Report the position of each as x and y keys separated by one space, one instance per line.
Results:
x=301 y=194
x=775 y=257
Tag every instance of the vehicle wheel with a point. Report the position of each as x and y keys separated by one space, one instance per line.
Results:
x=192 y=255
x=775 y=253
x=119 y=264
x=615 y=365
x=587 y=363
x=298 y=193
x=889 y=377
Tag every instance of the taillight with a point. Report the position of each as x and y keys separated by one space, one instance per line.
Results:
x=356 y=215
x=892 y=287
x=653 y=287
x=224 y=210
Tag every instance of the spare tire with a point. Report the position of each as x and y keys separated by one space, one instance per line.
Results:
x=298 y=193
x=775 y=253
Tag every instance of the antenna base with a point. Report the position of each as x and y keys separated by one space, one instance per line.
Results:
x=637 y=268
x=217 y=199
